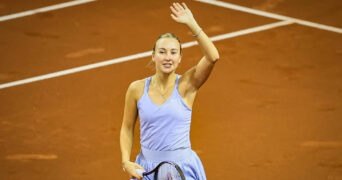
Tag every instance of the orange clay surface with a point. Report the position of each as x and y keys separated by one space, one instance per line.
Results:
x=272 y=108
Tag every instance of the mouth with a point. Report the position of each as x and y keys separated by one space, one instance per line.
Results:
x=167 y=65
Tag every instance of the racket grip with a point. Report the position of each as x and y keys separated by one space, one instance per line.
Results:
x=140 y=172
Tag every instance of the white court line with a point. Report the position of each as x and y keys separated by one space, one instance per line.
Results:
x=75 y=70
x=271 y=15
x=44 y=9
x=139 y=55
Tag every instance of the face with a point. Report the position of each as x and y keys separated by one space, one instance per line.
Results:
x=167 y=55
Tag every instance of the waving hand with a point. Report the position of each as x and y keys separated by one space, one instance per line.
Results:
x=181 y=13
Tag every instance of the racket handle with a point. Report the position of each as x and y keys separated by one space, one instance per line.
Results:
x=140 y=172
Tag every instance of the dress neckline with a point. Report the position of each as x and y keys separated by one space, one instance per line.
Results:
x=168 y=98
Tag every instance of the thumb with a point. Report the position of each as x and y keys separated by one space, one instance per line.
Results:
x=137 y=166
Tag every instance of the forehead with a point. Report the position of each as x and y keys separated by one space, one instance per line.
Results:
x=167 y=43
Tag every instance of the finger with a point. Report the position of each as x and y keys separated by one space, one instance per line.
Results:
x=178 y=6
x=139 y=167
x=185 y=6
x=173 y=17
x=174 y=6
x=174 y=11
x=137 y=175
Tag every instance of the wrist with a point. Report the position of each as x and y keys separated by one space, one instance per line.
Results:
x=192 y=24
x=197 y=33
x=195 y=28
x=123 y=165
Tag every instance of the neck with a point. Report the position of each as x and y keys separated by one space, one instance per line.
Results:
x=164 y=80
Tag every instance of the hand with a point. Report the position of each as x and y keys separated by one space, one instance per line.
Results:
x=131 y=169
x=181 y=13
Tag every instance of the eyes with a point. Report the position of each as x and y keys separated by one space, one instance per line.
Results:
x=163 y=51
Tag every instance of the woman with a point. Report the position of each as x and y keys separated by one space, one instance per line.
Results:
x=163 y=103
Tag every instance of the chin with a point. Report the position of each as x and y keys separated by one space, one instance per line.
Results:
x=168 y=71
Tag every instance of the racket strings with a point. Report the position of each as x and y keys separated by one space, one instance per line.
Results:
x=168 y=172
x=165 y=170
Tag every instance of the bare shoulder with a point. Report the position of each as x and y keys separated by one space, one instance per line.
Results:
x=186 y=85
x=185 y=80
x=136 y=88
x=136 y=85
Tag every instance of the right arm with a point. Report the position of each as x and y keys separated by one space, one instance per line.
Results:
x=127 y=130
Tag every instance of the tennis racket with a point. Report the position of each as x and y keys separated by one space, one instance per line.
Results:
x=165 y=170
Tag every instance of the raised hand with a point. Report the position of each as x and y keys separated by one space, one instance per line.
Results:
x=181 y=13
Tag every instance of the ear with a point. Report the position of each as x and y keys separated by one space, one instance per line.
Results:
x=152 y=57
x=180 y=59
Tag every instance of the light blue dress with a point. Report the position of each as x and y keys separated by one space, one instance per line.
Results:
x=165 y=134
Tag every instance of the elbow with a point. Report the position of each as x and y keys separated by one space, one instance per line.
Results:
x=215 y=58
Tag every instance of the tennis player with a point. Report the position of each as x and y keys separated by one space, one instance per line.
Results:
x=163 y=102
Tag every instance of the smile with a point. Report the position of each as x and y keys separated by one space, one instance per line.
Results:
x=167 y=65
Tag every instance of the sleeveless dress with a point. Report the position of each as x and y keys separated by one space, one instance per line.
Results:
x=165 y=134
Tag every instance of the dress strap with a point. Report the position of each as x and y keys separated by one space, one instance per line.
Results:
x=177 y=80
x=147 y=84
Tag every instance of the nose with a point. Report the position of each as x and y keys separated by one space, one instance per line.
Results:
x=168 y=56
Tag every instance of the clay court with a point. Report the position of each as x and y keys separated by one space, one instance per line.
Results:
x=272 y=108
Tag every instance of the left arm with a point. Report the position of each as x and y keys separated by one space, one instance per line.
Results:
x=197 y=75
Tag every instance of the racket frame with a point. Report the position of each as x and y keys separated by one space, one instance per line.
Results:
x=155 y=170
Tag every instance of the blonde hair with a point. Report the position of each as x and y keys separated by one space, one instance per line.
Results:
x=168 y=35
